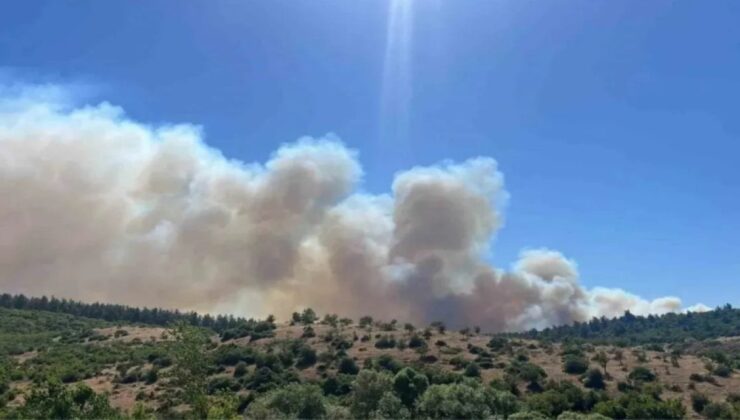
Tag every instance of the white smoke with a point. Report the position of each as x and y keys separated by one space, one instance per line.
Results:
x=95 y=206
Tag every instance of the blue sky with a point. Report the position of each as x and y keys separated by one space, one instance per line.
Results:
x=615 y=123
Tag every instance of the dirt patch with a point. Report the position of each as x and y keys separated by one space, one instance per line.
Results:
x=21 y=358
x=128 y=334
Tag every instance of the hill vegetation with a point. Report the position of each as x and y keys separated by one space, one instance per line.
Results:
x=635 y=330
x=113 y=363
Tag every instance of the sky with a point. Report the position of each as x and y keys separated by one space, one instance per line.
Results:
x=614 y=123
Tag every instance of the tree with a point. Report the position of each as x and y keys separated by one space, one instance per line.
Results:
x=720 y=410
x=409 y=385
x=306 y=357
x=224 y=406
x=619 y=356
x=466 y=400
x=52 y=399
x=415 y=342
x=439 y=326
x=308 y=316
x=472 y=370
x=303 y=401
x=367 y=390
x=240 y=370
x=575 y=365
x=641 y=374
x=602 y=359
x=190 y=369
x=308 y=332
x=348 y=366
x=594 y=379
x=699 y=401
x=390 y=407
x=366 y=321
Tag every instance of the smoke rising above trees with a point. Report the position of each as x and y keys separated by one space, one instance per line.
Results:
x=96 y=206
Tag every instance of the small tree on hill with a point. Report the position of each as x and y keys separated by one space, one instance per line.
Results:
x=190 y=368
x=602 y=359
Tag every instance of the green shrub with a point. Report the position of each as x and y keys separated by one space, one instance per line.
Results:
x=468 y=400
x=720 y=410
x=574 y=365
x=722 y=371
x=472 y=370
x=699 y=401
x=303 y=401
x=222 y=383
x=348 y=366
x=385 y=342
x=306 y=357
x=240 y=370
x=641 y=374
x=409 y=385
x=367 y=390
x=594 y=379
x=416 y=342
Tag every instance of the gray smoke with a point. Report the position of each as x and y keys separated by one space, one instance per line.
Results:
x=95 y=206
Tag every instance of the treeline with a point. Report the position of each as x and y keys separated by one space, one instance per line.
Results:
x=636 y=330
x=226 y=325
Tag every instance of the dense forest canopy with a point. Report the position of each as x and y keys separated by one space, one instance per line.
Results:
x=223 y=324
x=630 y=329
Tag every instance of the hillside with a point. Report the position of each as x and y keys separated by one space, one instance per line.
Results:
x=340 y=368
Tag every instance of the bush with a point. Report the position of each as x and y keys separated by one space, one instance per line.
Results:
x=498 y=343
x=594 y=379
x=240 y=370
x=575 y=365
x=54 y=400
x=390 y=407
x=472 y=370
x=337 y=385
x=699 y=401
x=416 y=342
x=387 y=362
x=222 y=383
x=385 y=342
x=231 y=354
x=722 y=371
x=366 y=321
x=409 y=385
x=550 y=403
x=306 y=357
x=304 y=401
x=719 y=410
x=308 y=332
x=367 y=390
x=641 y=374
x=151 y=376
x=643 y=406
x=348 y=366
x=468 y=400
x=308 y=316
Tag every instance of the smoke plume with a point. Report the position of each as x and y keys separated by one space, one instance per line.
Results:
x=98 y=207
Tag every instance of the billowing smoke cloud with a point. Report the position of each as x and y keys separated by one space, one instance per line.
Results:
x=95 y=206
